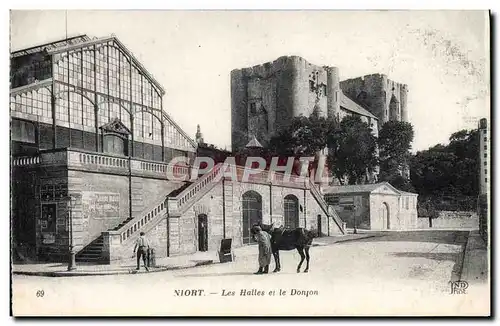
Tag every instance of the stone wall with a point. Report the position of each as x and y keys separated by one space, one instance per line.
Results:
x=408 y=214
x=377 y=221
x=147 y=192
x=102 y=203
x=451 y=220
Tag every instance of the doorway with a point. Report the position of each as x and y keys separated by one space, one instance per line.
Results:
x=385 y=216
x=291 y=210
x=202 y=232
x=252 y=214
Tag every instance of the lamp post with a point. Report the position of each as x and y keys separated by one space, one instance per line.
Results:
x=72 y=254
x=354 y=212
x=328 y=218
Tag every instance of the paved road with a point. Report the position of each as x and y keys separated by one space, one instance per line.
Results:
x=396 y=274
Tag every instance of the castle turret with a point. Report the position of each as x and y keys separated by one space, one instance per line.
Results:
x=199 y=136
x=333 y=91
x=300 y=86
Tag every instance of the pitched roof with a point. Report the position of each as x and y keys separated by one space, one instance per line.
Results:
x=253 y=143
x=350 y=105
x=361 y=188
x=352 y=188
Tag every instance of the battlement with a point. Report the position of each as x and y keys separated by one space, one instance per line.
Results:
x=287 y=62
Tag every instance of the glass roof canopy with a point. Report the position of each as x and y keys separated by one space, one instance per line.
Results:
x=51 y=45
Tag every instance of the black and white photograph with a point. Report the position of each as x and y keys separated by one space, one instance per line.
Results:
x=200 y=163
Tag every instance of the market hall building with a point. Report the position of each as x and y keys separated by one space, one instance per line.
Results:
x=90 y=143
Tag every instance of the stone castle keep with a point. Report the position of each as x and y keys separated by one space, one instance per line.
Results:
x=266 y=97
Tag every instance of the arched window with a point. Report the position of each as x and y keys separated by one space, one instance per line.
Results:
x=291 y=210
x=252 y=213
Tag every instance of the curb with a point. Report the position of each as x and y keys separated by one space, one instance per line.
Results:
x=458 y=268
x=360 y=238
x=115 y=272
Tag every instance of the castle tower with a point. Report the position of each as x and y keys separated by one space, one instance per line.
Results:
x=384 y=98
x=266 y=97
x=199 y=136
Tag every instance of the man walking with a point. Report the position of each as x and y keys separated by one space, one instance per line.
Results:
x=264 y=240
x=142 y=246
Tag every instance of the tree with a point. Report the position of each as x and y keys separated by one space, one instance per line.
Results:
x=352 y=150
x=448 y=174
x=305 y=136
x=394 y=140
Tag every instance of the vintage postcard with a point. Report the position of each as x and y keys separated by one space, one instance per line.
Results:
x=250 y=163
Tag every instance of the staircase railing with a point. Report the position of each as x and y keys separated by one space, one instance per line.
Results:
x=186 y=198
x=324 y=205
x=149 y=216
x=135 y=225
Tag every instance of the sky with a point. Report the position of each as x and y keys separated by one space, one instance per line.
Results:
x=443 y=56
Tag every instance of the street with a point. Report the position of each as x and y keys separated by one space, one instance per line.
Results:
x=399 y=273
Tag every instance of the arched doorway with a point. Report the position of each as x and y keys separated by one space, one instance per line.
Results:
x=291 y=210
x=252 y=213
x=202 y=232
x=385 y=216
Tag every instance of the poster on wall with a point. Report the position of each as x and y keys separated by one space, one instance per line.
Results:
x=100 y=205
x=48 y=218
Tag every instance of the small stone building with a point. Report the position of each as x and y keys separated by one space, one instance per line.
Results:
x=377 y=206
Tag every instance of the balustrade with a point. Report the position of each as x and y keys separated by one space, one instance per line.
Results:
x=24 y=161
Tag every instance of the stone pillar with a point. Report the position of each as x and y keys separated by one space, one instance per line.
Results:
x=111 y=246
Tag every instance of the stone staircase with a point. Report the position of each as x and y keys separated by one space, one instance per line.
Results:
x=329 y=211
x=118 y=240
x=92 y=253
